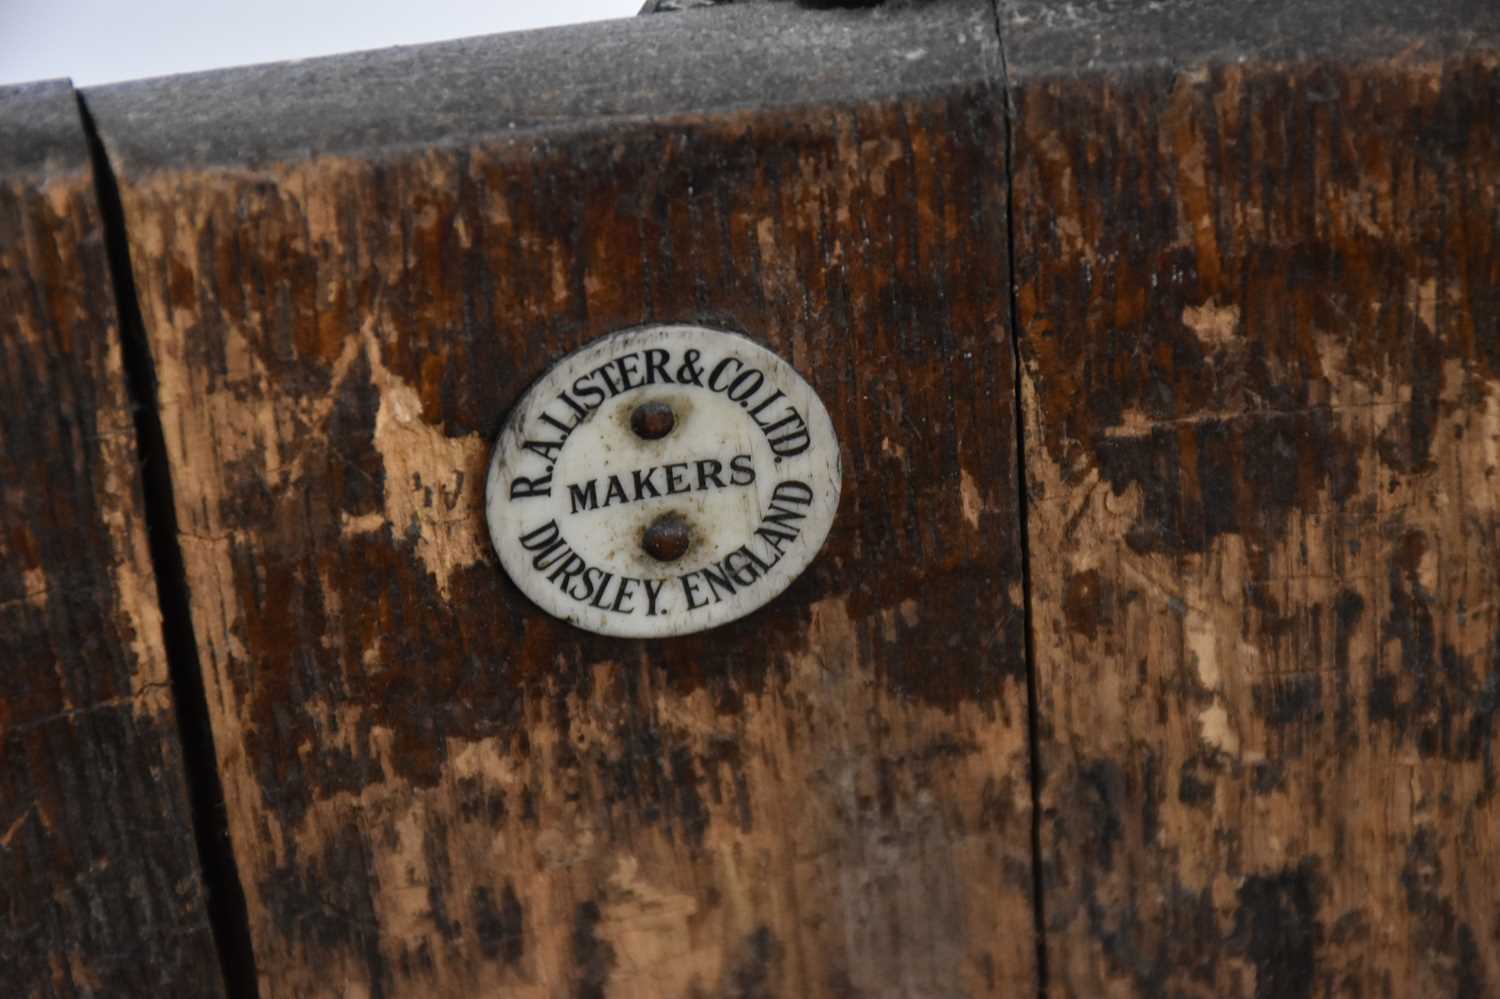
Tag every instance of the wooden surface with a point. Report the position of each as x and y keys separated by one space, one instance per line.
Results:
x=1255 y=289
x=433 y=787
x=1257 y=272
x=99 y=889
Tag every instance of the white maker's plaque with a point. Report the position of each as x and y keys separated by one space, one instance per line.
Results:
x=662 y=480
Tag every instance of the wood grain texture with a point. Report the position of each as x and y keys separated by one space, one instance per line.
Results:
x=434 y=788
x=1258 y=272
x=99 y=886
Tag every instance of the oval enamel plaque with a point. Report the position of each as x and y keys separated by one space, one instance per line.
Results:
x=661 y=481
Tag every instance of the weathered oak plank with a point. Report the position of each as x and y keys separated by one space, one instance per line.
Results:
x=99 y=883
x=1258 y=269
x=436 y=789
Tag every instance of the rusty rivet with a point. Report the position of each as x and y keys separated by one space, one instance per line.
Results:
x=652 y=420
x=668 y=538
